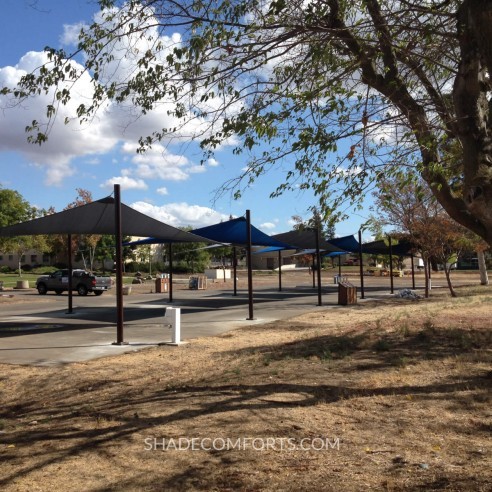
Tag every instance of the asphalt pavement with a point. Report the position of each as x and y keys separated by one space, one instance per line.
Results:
x=38 y=330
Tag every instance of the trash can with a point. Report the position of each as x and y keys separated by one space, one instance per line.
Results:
x=347 y=293
x=161 y=285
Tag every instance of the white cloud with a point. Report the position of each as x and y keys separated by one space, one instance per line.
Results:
x=126 y=183
x=181 y=214
x=268 y=225
x=158 y=163
x=162 y=191
x=70 y=36
x=352 y=171
x=113 y=123
x=212 y=162
x=66 y=141
x=197 y=169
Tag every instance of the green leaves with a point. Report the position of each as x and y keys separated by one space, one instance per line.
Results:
x=336 y=93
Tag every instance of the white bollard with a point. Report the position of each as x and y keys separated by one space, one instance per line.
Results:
x=172 y=318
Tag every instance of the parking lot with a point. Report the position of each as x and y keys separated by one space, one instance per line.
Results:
x=38 y=330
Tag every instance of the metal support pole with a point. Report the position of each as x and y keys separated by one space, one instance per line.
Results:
x=280 y=270
x=361 y=267
x=313 y=268
x=250 y=267
x=391 y=263
x=70 y=275
x=234 y=266
x=170 y=272
x=318 y=264
x=119 y=266
x=413 y=273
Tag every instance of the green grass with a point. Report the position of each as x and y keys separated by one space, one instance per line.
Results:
x=11 y=279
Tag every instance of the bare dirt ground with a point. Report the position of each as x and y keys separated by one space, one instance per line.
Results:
x=383 y=395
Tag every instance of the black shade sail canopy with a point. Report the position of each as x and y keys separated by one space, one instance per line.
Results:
x=98 y=217
x=400 y=247
x=381 y=247
x=306 y=239
x=105 y=216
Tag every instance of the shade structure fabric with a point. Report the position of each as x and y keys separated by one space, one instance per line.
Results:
x=335 y=253
x=381 y=247
x=235 y=232
x=347 y=243
x=232 y=232
x=273 y=249
x=305 y=239
x=98 y=217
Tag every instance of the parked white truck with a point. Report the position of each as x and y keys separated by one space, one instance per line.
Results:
x=83 y=282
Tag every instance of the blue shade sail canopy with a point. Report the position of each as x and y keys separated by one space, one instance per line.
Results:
x=235 y=232
x=232 y=232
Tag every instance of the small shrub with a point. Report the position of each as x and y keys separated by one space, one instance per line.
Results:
x=399 y=361
x=404 y=330
x=381 y=345
x=326 y=355
x=342 y=347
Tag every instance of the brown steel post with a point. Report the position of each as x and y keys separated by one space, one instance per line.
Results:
x=170 y=272
x=313 y=269
x=413 y=273
x=280 y=270
x=361 y=267
x=119 y=266
x=250 y=266
x=318 y=265
x=391 y=263
x=234 y=266
x=70 y=277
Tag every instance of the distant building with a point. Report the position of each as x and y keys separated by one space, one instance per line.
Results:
x=31 y=258
x=269 y=259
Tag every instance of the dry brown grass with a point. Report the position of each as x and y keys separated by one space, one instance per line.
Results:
x=404 y=386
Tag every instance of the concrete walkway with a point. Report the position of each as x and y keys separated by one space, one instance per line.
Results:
x=37 y=330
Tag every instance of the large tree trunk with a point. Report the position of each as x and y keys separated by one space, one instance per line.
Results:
x=482 y=266
x=427 y=277
x=473 y=110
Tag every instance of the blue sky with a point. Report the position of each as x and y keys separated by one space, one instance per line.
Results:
x=168 y=183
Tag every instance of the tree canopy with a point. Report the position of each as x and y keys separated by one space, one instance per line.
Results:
x=419 y=218
x=339 y=93
x=13 y=209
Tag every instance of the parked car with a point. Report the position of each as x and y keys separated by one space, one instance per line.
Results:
x=82 y=281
